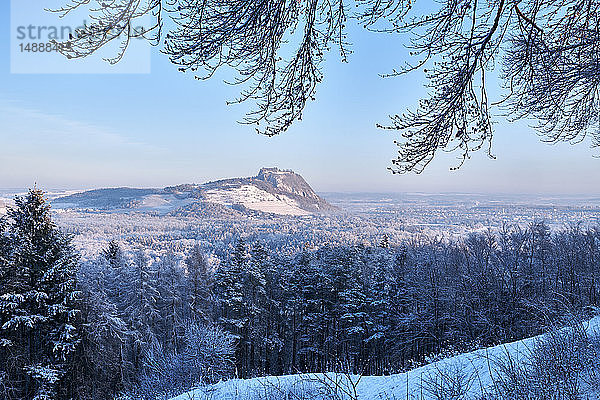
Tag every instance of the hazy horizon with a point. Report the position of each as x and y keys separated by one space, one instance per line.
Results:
x=52 y=189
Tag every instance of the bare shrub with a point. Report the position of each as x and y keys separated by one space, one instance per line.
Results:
x=207 y=356
x=448 y=381
x=563 y=365
x=329 y=386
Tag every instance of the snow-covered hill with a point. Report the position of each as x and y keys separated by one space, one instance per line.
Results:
x=272 y=191
x=478 y=371
x=254 y=198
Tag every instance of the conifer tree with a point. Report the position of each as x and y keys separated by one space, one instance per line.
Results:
x=40 y=322
x=199 y=285
x=255 y=296
x=232 y=305
x=170 y=288
x=116 y=274
x=105 y=333
x=141 y=312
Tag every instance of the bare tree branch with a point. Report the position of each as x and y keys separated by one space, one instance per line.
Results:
x=549 y=51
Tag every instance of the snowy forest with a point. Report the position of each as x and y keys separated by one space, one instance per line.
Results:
x=125 y=324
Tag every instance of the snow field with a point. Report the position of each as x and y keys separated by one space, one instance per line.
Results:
x=471 y=373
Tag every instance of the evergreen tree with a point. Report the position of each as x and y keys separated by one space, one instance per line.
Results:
x=40 y=324
x=255 y=296
x=314 y=327
x=116 y=275
x=139 y=310
x=199 y=279
x=170 y=287
x=294 y=294
x=105 y=333
x=269 y=304
x=232 y=308
x=378 y=315
x=114 y=254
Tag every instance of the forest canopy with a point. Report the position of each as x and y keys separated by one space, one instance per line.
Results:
x=144 y=324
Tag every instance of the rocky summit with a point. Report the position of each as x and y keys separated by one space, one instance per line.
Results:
x=272 y=191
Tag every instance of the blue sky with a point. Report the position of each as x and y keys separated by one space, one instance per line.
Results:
x=164 y=128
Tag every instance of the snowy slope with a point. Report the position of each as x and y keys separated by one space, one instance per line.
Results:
x=479 y=365
x=256 y=199
x=272 y=191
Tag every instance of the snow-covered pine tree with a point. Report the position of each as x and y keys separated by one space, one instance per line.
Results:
x=232 y=308
x=378 y=324
x=141 y=311
x=268 y=329
x=348 y=306
x=199 y=282
x=255 y=296
x=39 y=314
x=4 y=248
x=294 y=293
x=314 y=324
x=5 y=384
x=116 y=276
x=106 y=333
x=113 y=253
x=171 y=289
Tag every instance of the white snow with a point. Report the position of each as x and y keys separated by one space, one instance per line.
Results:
x=162 y=203
x=280 y=207
x=479 y=364
x=62 y=193
x=4 y=203
x=255 y=199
